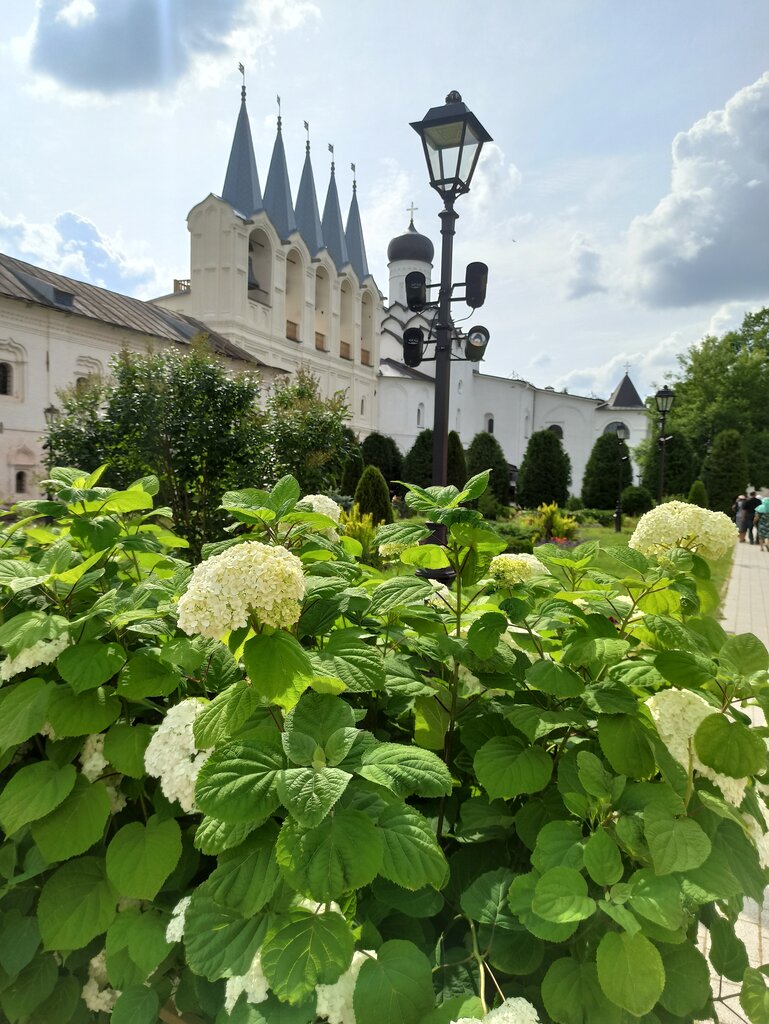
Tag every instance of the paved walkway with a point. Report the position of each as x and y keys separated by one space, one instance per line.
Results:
x=746 y=610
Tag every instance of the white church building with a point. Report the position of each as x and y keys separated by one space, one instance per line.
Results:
x=276 y=286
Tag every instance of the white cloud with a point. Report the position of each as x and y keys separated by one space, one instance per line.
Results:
x=707 y=240
x=76 y=11
x=585 y=272
x=494 y=182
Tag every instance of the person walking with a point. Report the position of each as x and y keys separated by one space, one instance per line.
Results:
x=739 y=516
x=761 y=517
x=750 y=505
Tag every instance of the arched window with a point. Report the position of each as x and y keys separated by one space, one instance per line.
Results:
x=346 y=321
x=421 y=415
x=367 y=330
x=488 y=421
x=294 y=295
x=363 y=406
x=21 y=481
x=260 y=268
x=322 y=310
x=557 y=430
x=616 y=427
x=6 y=379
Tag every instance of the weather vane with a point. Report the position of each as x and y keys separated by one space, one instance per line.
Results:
x=307 y=129
x=354 y=182
x=280 y=119
x=331 y=151
x=242 y=70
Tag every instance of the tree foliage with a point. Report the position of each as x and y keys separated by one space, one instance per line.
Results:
x=381 y=451
x=681 y=463
x=485 y=452
x=545 y=472
x=353 y=464
x=456 y=471
x=608 y=472
x=418 y=463
x=372 y=495
x=698 y=495
x=636 y=500
x=726 y=470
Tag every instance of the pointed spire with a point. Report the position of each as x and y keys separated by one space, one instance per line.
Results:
x=333 y=229
x=277 y=191
x=354 y=234
x=307 y=216
x=241 y=184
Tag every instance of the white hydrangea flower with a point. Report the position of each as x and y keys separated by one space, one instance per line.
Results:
x=47 y=730
x=391 y=550
x=512 y=1011
x=334 y=1002
x=253 y=983
x=679 y=524
x=92 y=757
x=41 y=653
x=97 y=994
x=117 y=800
x=510 y=569
x=175 y=929
x=172 y=756
x=249 y=577
x=316 y=908
x=322 y=504
x=677 y=715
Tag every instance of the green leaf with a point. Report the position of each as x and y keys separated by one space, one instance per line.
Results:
x=278 y=667
x=593 y=776
x=396 y=988
x=730 y=748
x=86 y=666
x=625 y=743
x=319 y=716
x=75 y=825
x=657 y=898
x=431 y=722
x=136 y=1005
x=506 y=767
x=23 y=709
x=630 y=971
x=426 y=556
x=124 y=747
x=141 y=937
x=246 y=877
x=602 y=859
x=454 y=1009
x=72 y=714
x=406 y=770
x=141 y=857
x=744 y=655
x=309 y=793
x=682 y=668
x=402 y=532
x=559 y=844
x=302 y=950
x=399 y=592
x=687 y=980
x=572 y=995
x=214 y=836
x=754 y=996
x=555 y=679
x=676 y=844
x=484 y=633
x=76 y=904
x=19 y=940
x=218 y=941
x=411 y=855
x=28 y=628
x=33 y=792
x=561 y=896
x=238 y=783
x=226 y=713
x=26 y=992
x=146 y=675
x=595 y=652
x=520 y=898
x=473 y=489
x=342 y=853
x=727 y=952
x=357 y=664
x=485 y=899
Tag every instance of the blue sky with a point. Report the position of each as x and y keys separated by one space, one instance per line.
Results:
x=630 y=161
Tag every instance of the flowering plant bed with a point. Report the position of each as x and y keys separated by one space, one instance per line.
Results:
x=284 y=787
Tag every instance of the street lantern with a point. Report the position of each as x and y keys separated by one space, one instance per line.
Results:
x=663 y=399
x=623 y=434
x=452 y=138
x=51 y=414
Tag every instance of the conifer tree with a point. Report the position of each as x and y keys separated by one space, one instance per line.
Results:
x=485 y=452
x=373 y=496
x=608 y=472
x=726 y=470
x=381 y=451
x=456 y=472
x=698 y=495
x=418 y=464
x=545 y=472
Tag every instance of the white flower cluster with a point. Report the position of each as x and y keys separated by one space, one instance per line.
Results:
x=678 y=524
x=510 y=569
x=677 y=715
x=97 y=994
x=41 y=653
x=175 y=929
x=253 y=983
x=334 y=1002
x=249 y=577
x=172 y=756
x=92 y=757
x=391 y=550
x=322 y=504
x=512 y=1011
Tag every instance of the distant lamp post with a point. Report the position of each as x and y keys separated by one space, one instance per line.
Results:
x=51 y=414
x=664 y=401
x=452 y=139
x=622 y=435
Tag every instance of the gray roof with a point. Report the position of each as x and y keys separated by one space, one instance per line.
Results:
x=333 y=230
x=307 y=216
x=30 y=284
x=401 y=370
x=277 y=191
x=356 y=247
x=625 y=396
x=241 y=184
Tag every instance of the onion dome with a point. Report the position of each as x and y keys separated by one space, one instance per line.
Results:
x=411 y=246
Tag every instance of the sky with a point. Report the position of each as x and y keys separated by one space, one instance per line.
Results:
x=622 y=208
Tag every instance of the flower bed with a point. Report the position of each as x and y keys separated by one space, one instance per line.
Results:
x=287 y=787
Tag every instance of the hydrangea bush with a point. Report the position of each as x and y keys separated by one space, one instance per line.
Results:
x=285 y=787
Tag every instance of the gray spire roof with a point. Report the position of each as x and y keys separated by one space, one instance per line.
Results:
x=307 y=216
x=277 y=191
x=354 y=237
x=241 y=184
x=333 y=230
x=625 y=396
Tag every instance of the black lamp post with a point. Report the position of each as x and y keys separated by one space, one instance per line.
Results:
x=452 y=138
x=664 y=401
x=622 y=435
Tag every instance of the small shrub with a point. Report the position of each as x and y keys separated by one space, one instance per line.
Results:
x=698 y=495
x=372 y=495
x=360 y=526
x=636 y=501
x=574 y=503
x=551 y=522
x=490 y=507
